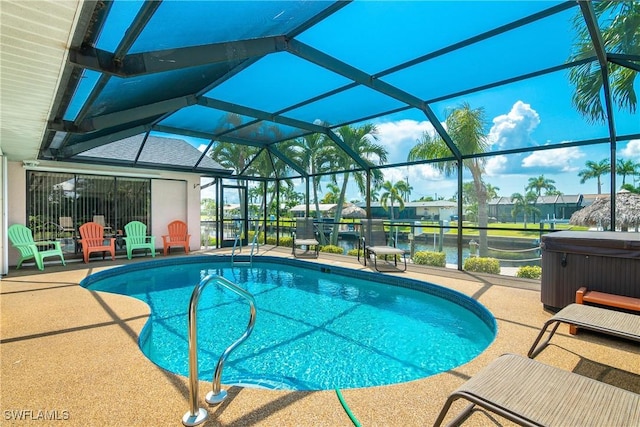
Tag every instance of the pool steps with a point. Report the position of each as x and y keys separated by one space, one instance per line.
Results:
x=195 y=416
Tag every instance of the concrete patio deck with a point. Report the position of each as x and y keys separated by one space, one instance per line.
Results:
x=72 y=355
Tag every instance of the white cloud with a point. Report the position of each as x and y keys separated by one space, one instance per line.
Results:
x=632 y=150
x=400 y=136
x=395 y=174
x=513 y=130
x=414 y=173
x=558 y=160
x=496 y=165
x=427 y=172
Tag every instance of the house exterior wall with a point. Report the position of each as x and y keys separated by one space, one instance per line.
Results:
x=502 y=212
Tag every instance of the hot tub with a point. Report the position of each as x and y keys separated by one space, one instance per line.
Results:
x=604 y=261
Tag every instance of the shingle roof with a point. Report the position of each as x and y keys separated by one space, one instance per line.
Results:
x=157 y=150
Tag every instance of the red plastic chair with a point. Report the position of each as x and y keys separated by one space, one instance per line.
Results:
x=92 y=240
x=178 y=236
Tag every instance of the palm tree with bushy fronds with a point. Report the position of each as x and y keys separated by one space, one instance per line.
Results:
x=393 y=193
x=595 y=170
x=620 y=27
x=626 y=168
x=362 y=140
x=524 y=203
x=466 y=126
x=537 y=184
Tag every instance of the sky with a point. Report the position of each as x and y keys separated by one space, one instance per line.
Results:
x=519 y=125
x=531 y=113
x=376 y=36
x=516 y=127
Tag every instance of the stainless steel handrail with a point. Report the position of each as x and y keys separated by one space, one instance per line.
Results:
x=197 y=415
x=254 y=246
x=236 y=242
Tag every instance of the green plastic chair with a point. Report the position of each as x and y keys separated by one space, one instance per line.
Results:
x=136 y=238
x=22 y=239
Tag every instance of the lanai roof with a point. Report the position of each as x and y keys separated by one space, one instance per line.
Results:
x=258 y=73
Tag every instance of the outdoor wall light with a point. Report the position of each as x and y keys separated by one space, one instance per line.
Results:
x=30 y=163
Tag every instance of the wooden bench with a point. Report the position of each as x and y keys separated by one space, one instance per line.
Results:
x=583 y=295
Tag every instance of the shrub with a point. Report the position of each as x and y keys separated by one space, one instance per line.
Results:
x=284 y=241
x=397 y=257
x=354 y=252
x=252 y=233
x=436 y=259
x=529 y=272
x=332 y=249
x=482 y=265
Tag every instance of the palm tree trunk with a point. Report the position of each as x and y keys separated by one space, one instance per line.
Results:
x=316 y=184
x=338 y=215
x=481 y=192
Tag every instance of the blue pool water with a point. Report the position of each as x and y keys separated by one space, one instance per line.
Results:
x=315 y=328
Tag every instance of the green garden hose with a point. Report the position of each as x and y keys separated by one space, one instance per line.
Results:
x=353 y=418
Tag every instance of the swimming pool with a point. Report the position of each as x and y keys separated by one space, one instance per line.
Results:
x=318 y=327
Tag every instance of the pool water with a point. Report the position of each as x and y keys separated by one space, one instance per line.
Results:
x=314 y=330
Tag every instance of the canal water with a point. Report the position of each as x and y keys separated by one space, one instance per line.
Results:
x=450 y=251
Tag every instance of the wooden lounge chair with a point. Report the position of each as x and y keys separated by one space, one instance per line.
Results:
x=92 y=240
x=178 y=236
x=21 y=238
x=531 y=393
x=374 y=242
x=598 y=319
x=136 y=238
x=305 y=235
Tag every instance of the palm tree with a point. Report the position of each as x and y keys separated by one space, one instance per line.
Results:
x=471 y=212
x=626 y=167
x=393 y=193
x=492 y=192
x=271 y=166
x=524 y=204
x=408 y=189
x=290 y=197
x=467 y=130
x=374 y=194
x=537 y=184
x=360 y=141
x=332 y=195
x=595 y=170
x=620 y=35
x=236 y=157
x=470 y=199
x=315 y=158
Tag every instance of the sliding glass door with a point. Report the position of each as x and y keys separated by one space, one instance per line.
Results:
x=58 y=203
